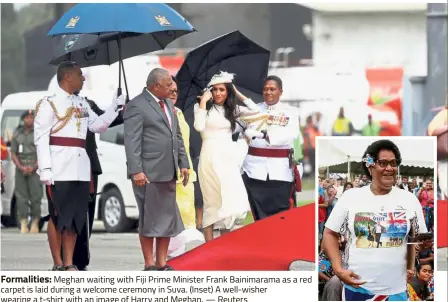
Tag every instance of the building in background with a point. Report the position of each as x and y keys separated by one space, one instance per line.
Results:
x=273 y=26
x=375 y=35
x=399 y=48
x=403 y=46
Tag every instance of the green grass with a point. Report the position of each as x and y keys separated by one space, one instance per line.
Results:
x=249 y=219
x=303 y=203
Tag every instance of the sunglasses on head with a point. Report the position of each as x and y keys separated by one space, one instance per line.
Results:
x=383 y=163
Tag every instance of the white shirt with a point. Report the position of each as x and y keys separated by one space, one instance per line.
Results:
x=67 y=163
x=165 y=108
x=280 y=137
x=383 y=268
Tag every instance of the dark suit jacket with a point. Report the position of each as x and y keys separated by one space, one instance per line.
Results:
x=153 y=145
x=91 y=142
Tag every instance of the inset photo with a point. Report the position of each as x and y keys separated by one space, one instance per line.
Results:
x=376 y=218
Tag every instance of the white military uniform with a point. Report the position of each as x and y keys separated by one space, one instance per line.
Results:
x=282 y=128
x=269 y=179
x=67 y=163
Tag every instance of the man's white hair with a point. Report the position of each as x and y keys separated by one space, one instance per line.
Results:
x=156 y=75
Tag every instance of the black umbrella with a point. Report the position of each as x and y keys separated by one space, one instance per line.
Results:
x=92 y=50
x=233 y=53
x=104 y=49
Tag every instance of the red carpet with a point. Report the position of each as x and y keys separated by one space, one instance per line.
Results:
x=269 y=244
x=442 y=224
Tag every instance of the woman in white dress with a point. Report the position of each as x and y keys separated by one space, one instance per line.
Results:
x=215 y=117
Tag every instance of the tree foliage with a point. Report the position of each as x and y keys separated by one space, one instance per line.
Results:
x=12 y=51
x=13 y=26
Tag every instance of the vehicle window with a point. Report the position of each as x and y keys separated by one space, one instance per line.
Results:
x=114 y=135
x=10 y=121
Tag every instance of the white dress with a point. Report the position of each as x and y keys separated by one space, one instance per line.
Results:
x=225 y=197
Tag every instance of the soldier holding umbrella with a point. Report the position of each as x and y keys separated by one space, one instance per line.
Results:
x=138 y=29
x=60 y=129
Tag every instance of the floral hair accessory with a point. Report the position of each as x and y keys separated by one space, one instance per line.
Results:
x=369 y=161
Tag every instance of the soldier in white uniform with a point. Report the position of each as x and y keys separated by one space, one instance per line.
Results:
x=60 y=128
x=270 y=174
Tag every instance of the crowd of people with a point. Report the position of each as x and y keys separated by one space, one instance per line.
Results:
x=174 y=189
x=331 y=189
x=376 y=234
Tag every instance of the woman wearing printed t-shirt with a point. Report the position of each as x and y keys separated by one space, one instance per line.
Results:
x=378 y=271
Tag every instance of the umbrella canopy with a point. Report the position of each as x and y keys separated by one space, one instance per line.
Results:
x=234 y=53
x=147 y=26
x=142 y=18
x=92 y=50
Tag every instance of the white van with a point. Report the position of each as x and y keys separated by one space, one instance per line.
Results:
x=116 y=205
x=12 y=108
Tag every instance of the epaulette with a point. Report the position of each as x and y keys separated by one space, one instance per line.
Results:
x=45 y=98
x=63 y=120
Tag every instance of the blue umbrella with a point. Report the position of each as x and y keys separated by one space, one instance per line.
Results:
x=119 y=21
x=142 y=18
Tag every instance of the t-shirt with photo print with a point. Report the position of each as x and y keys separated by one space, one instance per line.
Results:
x=377 y=228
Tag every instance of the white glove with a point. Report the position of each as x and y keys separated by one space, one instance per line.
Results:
x=120 y=101
x=253 y=134
x=46 y=177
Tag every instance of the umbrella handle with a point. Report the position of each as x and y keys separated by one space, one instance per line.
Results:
x=119 y=92
x=121 y=69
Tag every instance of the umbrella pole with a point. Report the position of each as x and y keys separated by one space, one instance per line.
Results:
x=119 y=92
x=125 y=82
x=121 y=68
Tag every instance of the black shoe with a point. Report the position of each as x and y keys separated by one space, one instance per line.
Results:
x=82 y=268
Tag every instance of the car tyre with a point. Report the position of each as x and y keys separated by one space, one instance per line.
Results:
x=113 y=212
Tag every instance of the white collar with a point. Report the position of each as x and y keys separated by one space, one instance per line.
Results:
x=62 y=93
x=272 y=107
